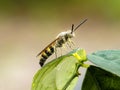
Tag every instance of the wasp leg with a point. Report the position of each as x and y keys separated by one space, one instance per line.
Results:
x=71 y=44
x=55 y=52
x=61 y=51
x=65 y=47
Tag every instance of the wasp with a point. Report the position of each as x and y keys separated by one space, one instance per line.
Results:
x=61 y=39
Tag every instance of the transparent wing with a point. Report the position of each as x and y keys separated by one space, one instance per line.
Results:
x=51 y=44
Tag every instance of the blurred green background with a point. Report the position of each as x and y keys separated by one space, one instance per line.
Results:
x=27 y=26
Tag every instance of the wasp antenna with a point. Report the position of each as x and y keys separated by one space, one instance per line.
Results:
x=80 y=24
x=72 y=29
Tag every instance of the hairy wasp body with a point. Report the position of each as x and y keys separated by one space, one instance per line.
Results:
x=60 y=40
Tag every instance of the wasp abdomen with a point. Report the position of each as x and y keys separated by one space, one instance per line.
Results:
x=44 y=55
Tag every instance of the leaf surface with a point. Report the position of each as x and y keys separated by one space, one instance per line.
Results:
x=107 y=59
x=99 y=79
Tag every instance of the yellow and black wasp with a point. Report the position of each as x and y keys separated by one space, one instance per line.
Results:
x=60 y=40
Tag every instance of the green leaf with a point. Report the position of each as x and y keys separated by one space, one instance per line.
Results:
x=99 y=79
x=72 y=84
x=39 y=76
x=107 y=59
x=61 y=73
x=67 y=69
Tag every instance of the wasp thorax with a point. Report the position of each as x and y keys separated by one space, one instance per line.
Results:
x=63 y=37
x=67 y=34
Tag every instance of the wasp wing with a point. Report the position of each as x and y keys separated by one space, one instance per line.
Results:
x=51 y=44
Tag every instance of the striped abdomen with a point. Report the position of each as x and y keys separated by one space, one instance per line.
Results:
x=45 y=54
